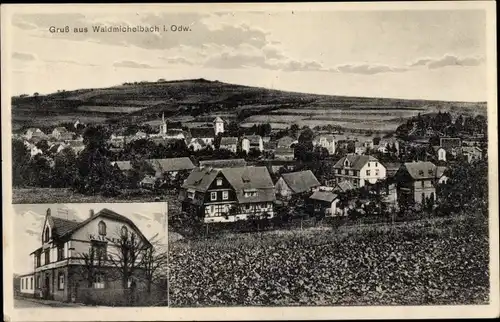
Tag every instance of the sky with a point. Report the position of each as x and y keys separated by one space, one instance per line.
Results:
x=424 y=54
x=29 y=220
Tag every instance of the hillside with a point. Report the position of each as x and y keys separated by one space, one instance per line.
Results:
x=189 y=100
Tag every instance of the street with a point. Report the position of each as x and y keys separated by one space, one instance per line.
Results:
x=30 y=303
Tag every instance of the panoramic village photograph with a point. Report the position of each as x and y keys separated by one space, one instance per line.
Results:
x=313 y=168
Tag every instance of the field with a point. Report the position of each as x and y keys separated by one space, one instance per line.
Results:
x=143 y=102
x=65 y=195
x=439 y=261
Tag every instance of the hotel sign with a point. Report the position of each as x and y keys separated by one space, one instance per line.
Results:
x=103 y=238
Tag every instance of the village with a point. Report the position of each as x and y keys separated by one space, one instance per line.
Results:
x=218 y=174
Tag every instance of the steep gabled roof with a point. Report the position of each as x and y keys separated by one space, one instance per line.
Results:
x=171 y=164
x=224 y=163
x=123 y=165
x=110 y=214
x=254 y=139
x=323 y=196
x=356 y=161
x=218 y=119
x=242 y=179
x=421 y=170
x=440 y=171
x=228 y=140
x=301 y=181
x=344 y=186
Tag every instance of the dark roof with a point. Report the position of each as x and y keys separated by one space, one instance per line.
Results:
x=123 y=165
x=202 y=132
x=345 y=186
x=254 y=139
x=392 y=166
x=241 y=179
x=228 y=140
x=199 y=141
x=301 y=181
x=63 y=226
x=285 y=141
x=323 y=196
x=421 y=169
x=270 y=145
x=356 y=161
x=171 y=164
x=224 y=163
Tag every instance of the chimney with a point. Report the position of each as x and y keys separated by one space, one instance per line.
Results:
x=91 y=213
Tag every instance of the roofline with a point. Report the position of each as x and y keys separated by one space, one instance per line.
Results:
x=26 y=274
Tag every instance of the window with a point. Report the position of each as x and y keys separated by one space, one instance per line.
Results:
x=60 y=252
x=124 y=231
x=376 y=164
x=219 y=182
x=191 y=194
x=339 y=171
x=102 y=228
x=225 y=195
x=422 y=183
x=37 y=282
x=367 y=172
x=213 y=196
x=61 y=281
x=31 y=283
x=47 y=234
x=99 y=281
x=376 y=172
x=47 y=256
x=22 y=283
x=100 y=250
x=38 y=259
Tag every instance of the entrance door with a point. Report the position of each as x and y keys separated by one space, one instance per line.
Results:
x=46 y=287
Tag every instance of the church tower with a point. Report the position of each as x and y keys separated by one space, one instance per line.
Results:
x=218 y=125
x=163 y=126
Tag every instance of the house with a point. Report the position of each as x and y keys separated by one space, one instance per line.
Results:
x=252 y=142
x=123 y=166
x=274 y=166
x=368 y=144
x=148 y=182
x=218 y=125
x=387 y=145
x=472 y=153
x=206 y=134
x=225 y=163
x=359 y=148
x=76 y=145
x=391 y=168
x=326 y=141
x=416 y=182
x=440 y=175
x=286 y=142
x=451 y=145
x=61 y=134
x=343 y=186
x=67 y=240
x=325 y=202
x=197 y=144
x=34 y=132
x=139 y=135
x=440 y=153
x=359 y=170
x=33 y=149
x=56 y=148
x=171 y=166
x=229 y=143
x=284 y=154
x=296 y=183
x=228 y=194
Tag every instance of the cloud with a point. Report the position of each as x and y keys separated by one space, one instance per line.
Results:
x=23 y=56
x=69 y=62
x=177 y=60
x=131 y=64
x=448 y=60
x=368 y=69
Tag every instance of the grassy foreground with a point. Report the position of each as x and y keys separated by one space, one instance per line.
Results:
x=437 y=261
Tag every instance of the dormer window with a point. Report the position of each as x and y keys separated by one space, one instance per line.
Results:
x=124 y=231
x=102 y=228
x=46 y=234
x=346 y=163
x=421 y=172
x=430 y=172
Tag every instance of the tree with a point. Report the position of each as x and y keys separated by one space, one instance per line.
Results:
x=39 y=172
x=20 y=160
x=127 y=256
x=65 y=172
x=43 y=145
x=376 y=140
x=155 y=260
x=93 y=263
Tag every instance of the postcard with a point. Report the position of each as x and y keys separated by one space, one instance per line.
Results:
x=249 y=161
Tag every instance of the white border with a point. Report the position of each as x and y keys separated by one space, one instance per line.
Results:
x=247 y=313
